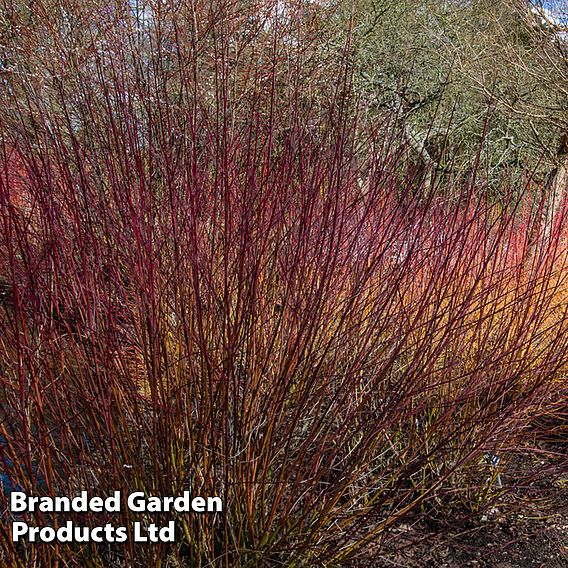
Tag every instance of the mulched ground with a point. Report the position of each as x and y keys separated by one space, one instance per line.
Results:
x=522 y=530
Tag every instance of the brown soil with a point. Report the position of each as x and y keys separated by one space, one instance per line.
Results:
x=528 y=528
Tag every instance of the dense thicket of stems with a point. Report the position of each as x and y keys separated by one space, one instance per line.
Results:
x=206 y=286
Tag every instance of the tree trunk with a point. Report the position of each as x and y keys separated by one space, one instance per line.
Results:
x=556 y=189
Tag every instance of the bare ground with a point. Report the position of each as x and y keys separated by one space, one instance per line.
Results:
x=528 y=528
